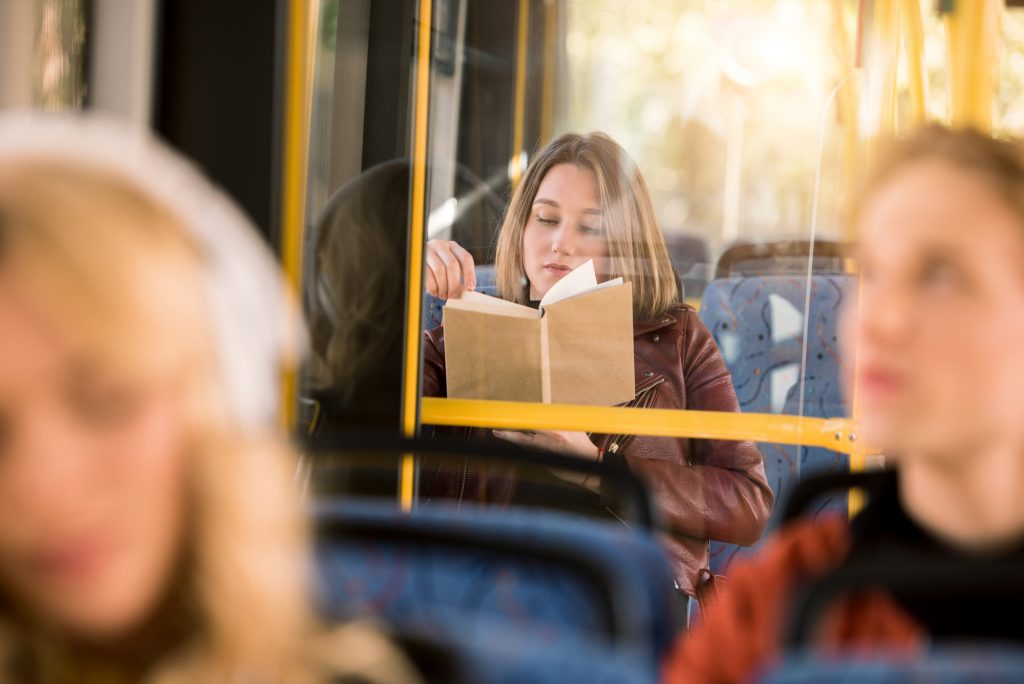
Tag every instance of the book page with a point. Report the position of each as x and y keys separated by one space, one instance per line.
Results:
x=477 y=301
x=614 y=282
x=579 y=280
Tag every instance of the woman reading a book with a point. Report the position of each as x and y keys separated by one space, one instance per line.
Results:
x=583 y=199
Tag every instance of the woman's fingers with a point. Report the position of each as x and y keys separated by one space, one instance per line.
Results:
x=432 y=287
x=450 y=269
x=515 y=436
x=439 y=275
x=466 y=262
x=454 y=273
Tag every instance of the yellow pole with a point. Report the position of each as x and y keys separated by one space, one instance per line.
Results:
x=295 y=144
x=414 y=293
x=547 y=103
x=519 y=123
x=913 y=43
x=881 y=68
x=847 y=102
x=972 y=30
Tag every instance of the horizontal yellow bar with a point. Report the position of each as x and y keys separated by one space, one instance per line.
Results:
x=837 y=434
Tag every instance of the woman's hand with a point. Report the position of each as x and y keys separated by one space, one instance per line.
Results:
x=564 y=442
x=450 y=269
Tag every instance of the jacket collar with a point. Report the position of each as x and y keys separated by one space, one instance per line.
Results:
x=666 y=321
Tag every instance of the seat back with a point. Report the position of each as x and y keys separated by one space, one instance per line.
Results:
x=446 y=656
x=532 y=578
x=955 y=666
x=433 y=307
x=691 y=258
x=758 y=323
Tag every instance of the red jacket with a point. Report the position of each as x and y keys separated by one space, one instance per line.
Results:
x=740 y=635
x=705 y=489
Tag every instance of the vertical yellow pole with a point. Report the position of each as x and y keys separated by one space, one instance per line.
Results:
x=847 y=102
x=885 y=58
x=913 y=43
x=972 y=30
x=519 y=122
x=414 y=294
x=294 y=154
x=547 y=103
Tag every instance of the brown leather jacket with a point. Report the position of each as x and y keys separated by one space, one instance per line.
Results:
x=704 y=489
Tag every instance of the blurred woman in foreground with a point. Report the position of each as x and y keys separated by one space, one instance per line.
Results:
x=939 y=334
x=148 y=529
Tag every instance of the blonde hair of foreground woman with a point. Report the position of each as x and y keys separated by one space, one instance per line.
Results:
x=121 y=280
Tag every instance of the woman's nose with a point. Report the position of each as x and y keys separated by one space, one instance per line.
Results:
x=883 y=317
x=562 y=242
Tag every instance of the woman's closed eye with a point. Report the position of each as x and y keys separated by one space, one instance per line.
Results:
x=102 y=401
x=547 y=220
x=940 y=274
x=590 y=230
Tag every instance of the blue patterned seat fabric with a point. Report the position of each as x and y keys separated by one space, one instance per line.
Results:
x=948 y=665
x=433 y=308
x=528 y=577
x=484 y=657
x=758 y=323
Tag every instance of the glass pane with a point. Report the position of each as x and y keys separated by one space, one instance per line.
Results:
x=357 y=210
x=731 y=113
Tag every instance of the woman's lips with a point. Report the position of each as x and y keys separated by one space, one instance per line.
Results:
x=72 y=560
x=557 y=270
x=879 y=381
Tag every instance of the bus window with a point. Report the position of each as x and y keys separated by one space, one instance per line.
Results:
x=748 y=122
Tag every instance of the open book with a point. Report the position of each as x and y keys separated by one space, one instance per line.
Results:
x=577 y=348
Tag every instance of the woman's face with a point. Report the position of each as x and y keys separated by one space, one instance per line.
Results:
x=92 y=480
x=939 y=329
x=565 y=227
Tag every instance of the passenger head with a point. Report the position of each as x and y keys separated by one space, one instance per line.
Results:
x=141 y=501
x=939 y=328
x=582 y=198
x=358 y=289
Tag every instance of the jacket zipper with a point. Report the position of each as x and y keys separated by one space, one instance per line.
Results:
x=644 y=398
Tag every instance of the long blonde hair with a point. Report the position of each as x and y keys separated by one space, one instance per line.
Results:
x=635 y=243
x=125 y=279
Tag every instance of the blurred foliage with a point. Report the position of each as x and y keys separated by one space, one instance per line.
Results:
x=670 y=79
x=678 y=82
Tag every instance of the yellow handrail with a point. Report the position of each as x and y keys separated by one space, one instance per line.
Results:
x=847 y=103
x=838 y=434
x=519 y=123
x=293 y=190
x=547 y=101
x=414 y=291
x=971 y=32
x=913 y=43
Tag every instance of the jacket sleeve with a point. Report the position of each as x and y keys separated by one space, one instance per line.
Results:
x=722 y=493
x=740 y=633
x=434 y=383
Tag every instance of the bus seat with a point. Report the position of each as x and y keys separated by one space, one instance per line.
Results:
x=433 y=307
x=691 y=258
x=444 y=656
x=758 y=324
x=959 y=665
x=530 y=577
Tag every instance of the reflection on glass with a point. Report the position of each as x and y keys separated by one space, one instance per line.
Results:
x=58 y=81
